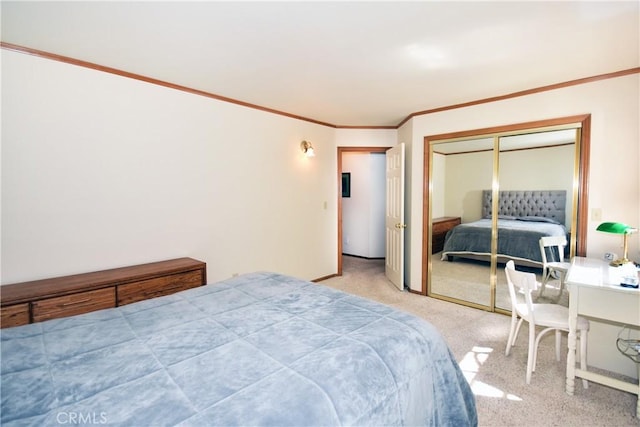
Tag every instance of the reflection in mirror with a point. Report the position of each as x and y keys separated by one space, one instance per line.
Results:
x=536 y=173
x=547 y=160
x=460 y=171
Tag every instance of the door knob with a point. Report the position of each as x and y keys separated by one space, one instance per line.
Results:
x=401 y=225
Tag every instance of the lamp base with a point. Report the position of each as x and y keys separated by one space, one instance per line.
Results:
x=619 y=262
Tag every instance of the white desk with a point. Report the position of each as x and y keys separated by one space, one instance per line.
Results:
x=593 y=293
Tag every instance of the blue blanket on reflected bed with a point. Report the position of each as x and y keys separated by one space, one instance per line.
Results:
x=517 y=238
x=257 y=349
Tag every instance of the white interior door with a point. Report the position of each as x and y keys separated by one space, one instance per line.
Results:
x=394 y=216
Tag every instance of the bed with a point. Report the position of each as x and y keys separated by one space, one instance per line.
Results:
x=523 y=217
x=257 y=349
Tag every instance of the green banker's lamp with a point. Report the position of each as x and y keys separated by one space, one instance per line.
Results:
x=618 y=228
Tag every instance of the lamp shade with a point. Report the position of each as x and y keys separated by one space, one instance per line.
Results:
x=615 y=228
x=307 y=148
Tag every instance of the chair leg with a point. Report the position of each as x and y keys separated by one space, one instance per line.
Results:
x=583 y=355
x=532 y=351
x=512 y=334
x=515 y=336
x=537 y=343
x=562 y=275
x=543 y=282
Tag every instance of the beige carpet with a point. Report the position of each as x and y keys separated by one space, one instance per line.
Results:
x=477 y=339
x=468 y=280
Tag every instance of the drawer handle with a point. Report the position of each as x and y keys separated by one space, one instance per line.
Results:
x=161 y=290
x=82 y=301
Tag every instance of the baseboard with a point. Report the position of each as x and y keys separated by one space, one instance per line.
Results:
x=362 y=257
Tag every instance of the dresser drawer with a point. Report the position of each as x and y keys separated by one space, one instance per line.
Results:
x=160 y=286
x=443 y=225
x=439 y=229
x=14 y=315
x=70 y=305
x=437 y=243
x=44 y=299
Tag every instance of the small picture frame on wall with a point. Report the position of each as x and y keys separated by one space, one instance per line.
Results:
x=346 y=184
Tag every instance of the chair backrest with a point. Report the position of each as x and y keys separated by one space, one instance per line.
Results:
x=523 y=283
x=558 y=242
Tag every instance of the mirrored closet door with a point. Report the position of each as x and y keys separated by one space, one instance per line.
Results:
x=531 y=176
x=541 y=162
x=460 y=170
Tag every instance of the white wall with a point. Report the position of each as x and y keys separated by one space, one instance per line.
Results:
x=469 y=173
x=363 y=223
x=101 y=171
x=377 y=231
x=404 y=136
x=466 y=176
x=438 y=177
x=540 y=169
x=366 y=137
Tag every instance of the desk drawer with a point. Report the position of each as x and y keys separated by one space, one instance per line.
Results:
x=611 y=305
x=70 y=305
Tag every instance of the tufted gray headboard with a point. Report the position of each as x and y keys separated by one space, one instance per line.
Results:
x=544 y=203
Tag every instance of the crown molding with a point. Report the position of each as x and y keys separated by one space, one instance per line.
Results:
x=93 y=66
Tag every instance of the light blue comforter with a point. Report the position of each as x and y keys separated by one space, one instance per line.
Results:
x=258 y=349
x=517 y=239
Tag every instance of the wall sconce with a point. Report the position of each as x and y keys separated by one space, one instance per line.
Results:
x=307 y=148
x=618 y=228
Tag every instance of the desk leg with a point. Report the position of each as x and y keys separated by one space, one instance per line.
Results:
x=571 y=355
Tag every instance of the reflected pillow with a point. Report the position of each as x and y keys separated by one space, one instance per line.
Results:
x=538 y=219
x=502 y=217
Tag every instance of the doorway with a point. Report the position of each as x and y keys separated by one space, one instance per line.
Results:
x=341 y=150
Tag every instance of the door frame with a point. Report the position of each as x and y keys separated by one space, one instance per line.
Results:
x=341 y=150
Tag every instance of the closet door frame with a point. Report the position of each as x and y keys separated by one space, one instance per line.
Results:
x=580 y=194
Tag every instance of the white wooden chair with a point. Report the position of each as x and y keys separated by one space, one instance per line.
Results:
x=557 y=269
x=552 y=317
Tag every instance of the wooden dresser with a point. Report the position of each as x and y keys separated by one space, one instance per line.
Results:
x=39 y=300
x=439 y=228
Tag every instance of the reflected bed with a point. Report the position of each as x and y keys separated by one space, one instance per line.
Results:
x=523 y=218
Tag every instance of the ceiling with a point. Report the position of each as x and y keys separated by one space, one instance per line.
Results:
x=340 y=63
